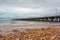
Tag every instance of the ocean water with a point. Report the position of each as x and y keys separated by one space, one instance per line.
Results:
x=10 y=21
x=5 y=20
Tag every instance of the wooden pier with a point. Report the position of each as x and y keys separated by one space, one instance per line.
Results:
x=44 y=19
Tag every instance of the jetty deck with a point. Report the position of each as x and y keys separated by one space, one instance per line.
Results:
x=44 y=19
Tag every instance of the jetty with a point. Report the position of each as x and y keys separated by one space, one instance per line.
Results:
x=44 y=19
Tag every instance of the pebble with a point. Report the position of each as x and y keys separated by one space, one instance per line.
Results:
x=34 y=34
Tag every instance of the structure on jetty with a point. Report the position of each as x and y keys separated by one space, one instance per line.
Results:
x=55 y=18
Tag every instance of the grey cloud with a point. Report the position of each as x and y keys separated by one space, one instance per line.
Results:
x=33 y=3
x=48 y=7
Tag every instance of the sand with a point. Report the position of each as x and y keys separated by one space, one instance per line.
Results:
x=25 y=30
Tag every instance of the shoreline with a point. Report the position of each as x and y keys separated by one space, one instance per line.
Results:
x=12 y=31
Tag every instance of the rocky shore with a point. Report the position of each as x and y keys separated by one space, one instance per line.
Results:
x=25 y=30
x=33 y=34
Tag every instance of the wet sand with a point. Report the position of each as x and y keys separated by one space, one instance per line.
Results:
x=26 y=25
x=17 y=28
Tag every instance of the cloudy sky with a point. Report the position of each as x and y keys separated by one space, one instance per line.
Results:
x=28 y=8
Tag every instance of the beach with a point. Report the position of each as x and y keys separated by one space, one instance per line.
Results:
x=18 y=28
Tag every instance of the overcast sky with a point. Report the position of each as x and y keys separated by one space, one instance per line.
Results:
x=28 y=8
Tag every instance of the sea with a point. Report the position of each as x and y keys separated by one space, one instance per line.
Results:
x=5 y=20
